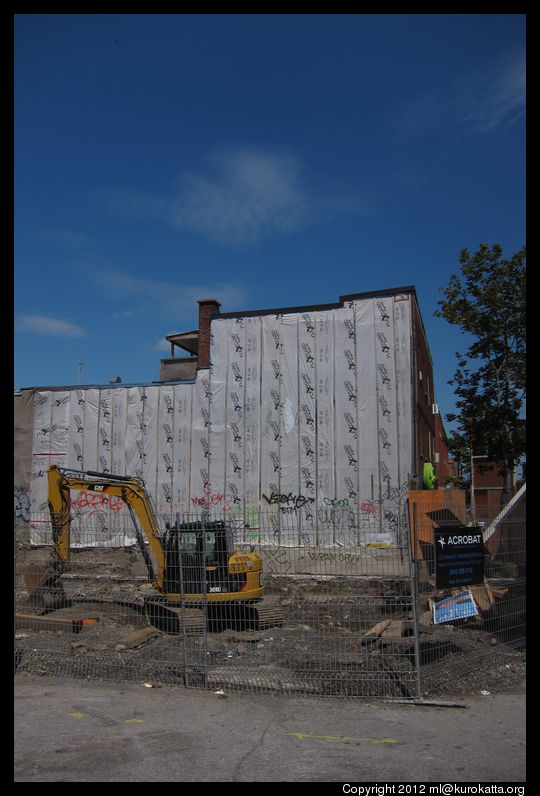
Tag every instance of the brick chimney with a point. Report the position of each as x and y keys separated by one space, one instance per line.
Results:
x=208 y=309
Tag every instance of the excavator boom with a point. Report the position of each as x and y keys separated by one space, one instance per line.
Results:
x=130 y=490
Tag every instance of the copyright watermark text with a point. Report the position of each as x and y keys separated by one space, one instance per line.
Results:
x=444 y=789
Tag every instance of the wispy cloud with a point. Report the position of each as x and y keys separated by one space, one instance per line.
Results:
x=496 y=97
x=245 y=196
x=44 y=325
x=168 y=299
x=490 y=99
x=161 y=345
x=124 y=314
x=242 y=196
x=65 y=239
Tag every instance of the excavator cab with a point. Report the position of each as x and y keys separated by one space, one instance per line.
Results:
x=198 y=559
x=203 y=571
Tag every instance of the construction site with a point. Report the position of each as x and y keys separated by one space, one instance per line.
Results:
x=270 y=516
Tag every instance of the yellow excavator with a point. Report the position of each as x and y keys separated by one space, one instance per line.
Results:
x=191 y=565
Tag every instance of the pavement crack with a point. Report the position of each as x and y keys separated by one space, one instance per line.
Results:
x=256 y=744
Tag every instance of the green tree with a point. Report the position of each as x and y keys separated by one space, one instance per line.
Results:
x=487 y=301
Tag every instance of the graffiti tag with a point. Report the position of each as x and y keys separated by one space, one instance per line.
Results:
x=288 y=502
x=97 y=501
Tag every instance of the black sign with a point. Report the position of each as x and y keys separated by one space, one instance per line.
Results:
x=459 y=557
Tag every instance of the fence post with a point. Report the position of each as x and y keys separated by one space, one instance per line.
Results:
x=413 y=575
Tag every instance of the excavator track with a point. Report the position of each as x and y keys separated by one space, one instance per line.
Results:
x=269 y=613
x=176 y=619
x=214 y=618
x=172 y=619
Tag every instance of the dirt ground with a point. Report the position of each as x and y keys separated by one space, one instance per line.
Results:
x=320 y=647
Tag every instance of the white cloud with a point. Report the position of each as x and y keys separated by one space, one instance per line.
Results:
x=44 y=325
x=247 y=194
x=243 y=196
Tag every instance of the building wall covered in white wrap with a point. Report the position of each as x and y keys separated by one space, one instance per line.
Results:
x=300 y=412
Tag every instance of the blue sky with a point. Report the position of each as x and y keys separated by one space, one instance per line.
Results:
x=265 y=160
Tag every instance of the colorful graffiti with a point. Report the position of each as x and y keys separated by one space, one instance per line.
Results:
x=213 y=500
x=96 y=501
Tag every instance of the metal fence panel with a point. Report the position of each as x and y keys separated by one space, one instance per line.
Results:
x=348 y=614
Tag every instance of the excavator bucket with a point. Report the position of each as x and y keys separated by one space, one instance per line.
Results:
x=44 y=588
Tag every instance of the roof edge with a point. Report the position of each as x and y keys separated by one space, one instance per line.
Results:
x=392 y=291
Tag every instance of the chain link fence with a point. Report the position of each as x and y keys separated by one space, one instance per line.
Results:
x=470 y=629
x=349 y=607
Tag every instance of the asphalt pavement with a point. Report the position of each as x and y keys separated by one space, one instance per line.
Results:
x=69 y=730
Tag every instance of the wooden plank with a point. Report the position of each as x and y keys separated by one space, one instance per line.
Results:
x=489 y=593
x=34 y=622
x=377 y=629
x=396 y=628
x=481 y=597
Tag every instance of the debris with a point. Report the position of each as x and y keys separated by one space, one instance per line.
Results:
x=138 y=638
x=425 y=621
x=432 y=651
x=247 y=635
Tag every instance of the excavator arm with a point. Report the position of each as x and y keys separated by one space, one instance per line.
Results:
x=130 y=490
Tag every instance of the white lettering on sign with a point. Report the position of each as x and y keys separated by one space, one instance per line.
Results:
x=472 y=539
x=464 y=539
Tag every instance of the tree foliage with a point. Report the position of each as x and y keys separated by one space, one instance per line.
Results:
x=487 y=301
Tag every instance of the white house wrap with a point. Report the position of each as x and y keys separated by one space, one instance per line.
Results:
x=299 y=414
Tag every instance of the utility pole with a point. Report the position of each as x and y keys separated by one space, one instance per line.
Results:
x=473 y=506
x=80 y=364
